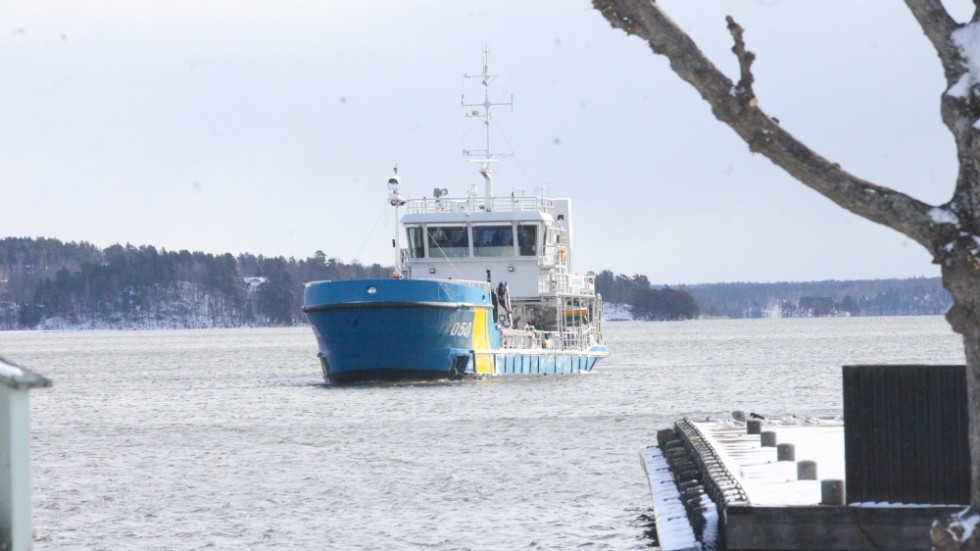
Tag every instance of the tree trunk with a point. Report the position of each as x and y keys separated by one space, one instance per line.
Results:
x=963 y=317
x=961 y=277
x=950 y=232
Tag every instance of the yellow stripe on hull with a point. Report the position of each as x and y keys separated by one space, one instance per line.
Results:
x=481 y=341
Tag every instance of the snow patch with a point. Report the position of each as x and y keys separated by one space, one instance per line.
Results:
x=186 y=305
x=967 y=40
x=774 y=309
x=961 y=88
x=969 y=525
x=673 y=528
x=943 y=216
x=616 y=312
x=254 y=282
x=962 y=525
x=768 y=482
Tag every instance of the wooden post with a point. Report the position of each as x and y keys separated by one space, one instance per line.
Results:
x=832 y=492
x=806 y=470
x=15 y=455
x=785 y=452
x=767 y=439
x=753 y=426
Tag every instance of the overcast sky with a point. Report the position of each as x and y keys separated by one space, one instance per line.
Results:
x=271 y=127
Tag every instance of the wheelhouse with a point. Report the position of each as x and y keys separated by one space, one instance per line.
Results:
x=523 y=241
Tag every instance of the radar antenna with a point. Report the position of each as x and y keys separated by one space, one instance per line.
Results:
x=485 y=156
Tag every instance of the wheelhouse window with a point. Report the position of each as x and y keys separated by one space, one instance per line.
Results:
x=493 y=240
x=416 y=246
x=448 y=241
x=527 y=239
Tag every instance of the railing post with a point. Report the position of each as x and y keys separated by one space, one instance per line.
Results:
x=15 y=455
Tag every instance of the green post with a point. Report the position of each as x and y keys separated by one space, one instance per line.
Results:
x=15 y=455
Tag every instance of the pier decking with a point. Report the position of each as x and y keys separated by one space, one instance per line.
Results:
x=763 y=503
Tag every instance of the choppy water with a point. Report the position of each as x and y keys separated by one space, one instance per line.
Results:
x=229 y=439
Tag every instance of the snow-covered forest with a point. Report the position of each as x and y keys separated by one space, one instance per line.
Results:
x=50 y=284
x=635 y=298
x=875 y=297
x=45 y=283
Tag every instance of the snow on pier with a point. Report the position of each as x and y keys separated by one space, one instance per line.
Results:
x=673 y=529
x=765 y=479
x=769 y=484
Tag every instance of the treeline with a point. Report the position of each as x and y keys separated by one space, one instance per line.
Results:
x=646 y=302
x=48 y=283
x=881 y=297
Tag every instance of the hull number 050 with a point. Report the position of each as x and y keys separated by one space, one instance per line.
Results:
x=461 y=329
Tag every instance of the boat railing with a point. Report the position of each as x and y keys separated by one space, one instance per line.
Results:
x=556 y=254
x=559 y=280
x=520 y=339
x=572 y=339
x=481 y=285
x=555 y=280
x=428 y=205
x=575 y=338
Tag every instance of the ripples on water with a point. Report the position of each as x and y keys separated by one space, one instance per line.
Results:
x=228 y=439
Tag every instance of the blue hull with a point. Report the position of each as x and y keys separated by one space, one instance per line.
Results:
x=388 y=329
x=402 y=330
x=523 y=363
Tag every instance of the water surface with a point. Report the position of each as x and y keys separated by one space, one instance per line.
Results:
x=229 y=439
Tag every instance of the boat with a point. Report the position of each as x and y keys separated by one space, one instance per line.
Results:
x=485 y=286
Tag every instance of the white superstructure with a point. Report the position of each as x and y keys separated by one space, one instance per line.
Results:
x=521 y=245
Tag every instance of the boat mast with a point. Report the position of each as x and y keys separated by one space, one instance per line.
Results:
x=484 y=156
x=396 y=200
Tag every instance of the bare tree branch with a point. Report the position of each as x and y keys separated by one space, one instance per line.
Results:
x=960 y=109
x=738 y=108
x=745 y=59
x=939 y=26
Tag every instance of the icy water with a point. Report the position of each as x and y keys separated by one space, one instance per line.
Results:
x=229 y=439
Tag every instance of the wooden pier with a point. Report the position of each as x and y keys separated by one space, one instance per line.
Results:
x=782 y=484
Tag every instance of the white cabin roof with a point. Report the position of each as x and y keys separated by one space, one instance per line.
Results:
x=476 y=218
x=474 y=210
